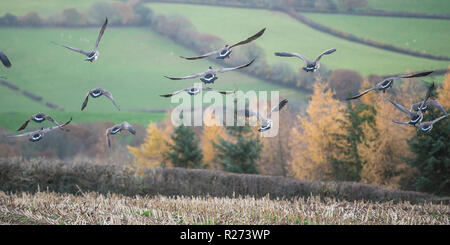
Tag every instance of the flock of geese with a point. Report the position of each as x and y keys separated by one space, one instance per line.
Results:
x=209 y=76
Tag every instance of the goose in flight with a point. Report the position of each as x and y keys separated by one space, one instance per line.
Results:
x=311 y=66
x=195 y=91
x=209 y=76
x=425 y=126
x=226 y=51
x=428 y=103
x=415 y=116
x=266 y=124
x=92 y=55
x=116 y=129
x=39 y=118
x=388 y=82
x=5 y=59
x=97 y=92
x=39 y=134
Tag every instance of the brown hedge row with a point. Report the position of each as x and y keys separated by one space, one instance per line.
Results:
x=17 y=174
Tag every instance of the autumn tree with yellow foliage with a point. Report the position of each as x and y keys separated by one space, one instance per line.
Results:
x=385 y=148
x=151 y=153
x=312 y=145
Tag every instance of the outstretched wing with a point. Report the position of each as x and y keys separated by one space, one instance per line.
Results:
x=361 y=94
x=201 y=56
x=85 y=101
x=435 y=103
x=187 y=77
x=128 y=127
x=252 y=38
x=329 y=51
x=251 y=113
x=73 y=49
x=234 y=68
x=108 y=141
x=286 y=54
x=278 y=107
x=174 y=93
x=109 y=96
x=101 y=34
x=5 y=59
x=55 y=127
x=439 y=118
x=427 y=96
x=404 y=123
x=400 y=107
x=420 y=74
x=22 y=135
x=24 y=125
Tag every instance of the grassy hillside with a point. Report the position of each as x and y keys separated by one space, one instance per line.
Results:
x=419 y=6
x=131 y=66
x=287 y=34
x=429 y=35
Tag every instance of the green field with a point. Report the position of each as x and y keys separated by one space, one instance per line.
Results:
x=429 y=35
x=287 y=34
x=418 y=6
x=131 y=66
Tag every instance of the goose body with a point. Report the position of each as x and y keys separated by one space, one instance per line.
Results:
x=39 y=118
x=97 y=92
x=225 y=52
x=266 y=123
x=388 y=83
x=39 y=134
x=116 y=129
x=311 y=66
x=210 y=76
x=92 y=55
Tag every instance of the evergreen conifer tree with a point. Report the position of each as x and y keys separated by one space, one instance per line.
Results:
x=185 y=151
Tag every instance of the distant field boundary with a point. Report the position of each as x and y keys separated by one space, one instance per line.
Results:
x=365 y=41
x=18 y=175
x=370 y=12
x=30 y=95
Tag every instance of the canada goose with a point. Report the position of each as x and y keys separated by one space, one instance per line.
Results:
x=5 y=60
x=117 y=128
x=39 y=134
x=416 y=116
x=195 y=91
x=209 y=76
x=311 y=66
x=92 y=55
x=266 y=124
x=226 y=51
x=434 y=103
x=425 y=126
x=97 y=92
x=388 y=82
x=39 y=118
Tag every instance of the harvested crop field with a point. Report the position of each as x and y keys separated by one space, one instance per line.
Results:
x=93 y=208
